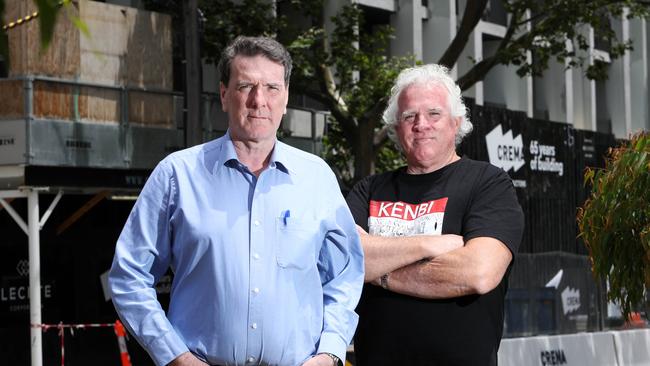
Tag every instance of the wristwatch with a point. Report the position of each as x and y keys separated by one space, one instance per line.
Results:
x=383 y=281
x=335 y=360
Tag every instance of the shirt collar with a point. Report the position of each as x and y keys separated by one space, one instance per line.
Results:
x=227 y=155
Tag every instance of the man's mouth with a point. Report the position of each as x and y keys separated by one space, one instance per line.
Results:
x=257 y=117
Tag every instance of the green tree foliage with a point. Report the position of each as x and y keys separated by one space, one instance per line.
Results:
x=349 y=71
x=544 y=27
x=351 y=82
x=615 y=222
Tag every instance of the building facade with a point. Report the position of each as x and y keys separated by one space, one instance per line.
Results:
x=617 y=105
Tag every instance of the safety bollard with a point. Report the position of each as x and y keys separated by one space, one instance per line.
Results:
x=120 y=333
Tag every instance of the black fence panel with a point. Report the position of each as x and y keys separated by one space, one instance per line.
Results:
x=552 y=293
x=546 y=161
x=551 y=287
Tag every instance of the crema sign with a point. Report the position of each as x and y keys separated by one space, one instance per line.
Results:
x=553 y=357
x=508 y=152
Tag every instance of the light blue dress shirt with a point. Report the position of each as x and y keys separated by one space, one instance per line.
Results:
x=267 y=271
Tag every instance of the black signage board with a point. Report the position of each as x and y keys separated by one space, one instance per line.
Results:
x=551 y=293
x=545 y=161
x=72 y=266
x=57 y=176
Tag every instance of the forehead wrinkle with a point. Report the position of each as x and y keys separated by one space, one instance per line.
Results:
x=248 y=73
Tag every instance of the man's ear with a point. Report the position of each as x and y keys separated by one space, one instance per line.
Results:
x=222 y=96
x=286 y=101
x=458 y=121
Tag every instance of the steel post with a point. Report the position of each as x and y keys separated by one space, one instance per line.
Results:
x=34 y=278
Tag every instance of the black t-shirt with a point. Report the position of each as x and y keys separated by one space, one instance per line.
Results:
x=468 y=198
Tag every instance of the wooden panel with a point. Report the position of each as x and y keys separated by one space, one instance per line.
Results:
x=129 y=46
x=149 y=50
x=102 y=56
x=12 y=102
x=151 y=109
x=60 y=59
x=58 y=101
x=53 y=101
x=99 y=105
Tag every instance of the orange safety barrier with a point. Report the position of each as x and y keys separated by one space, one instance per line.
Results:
x=120 y=333
x=118 y=327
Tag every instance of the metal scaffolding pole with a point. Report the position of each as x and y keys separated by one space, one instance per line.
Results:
x=34 y=277
x=33 y=231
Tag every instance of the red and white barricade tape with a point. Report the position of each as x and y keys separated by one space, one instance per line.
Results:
x=118 y=328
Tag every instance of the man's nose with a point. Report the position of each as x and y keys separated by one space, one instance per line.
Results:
x=256 y=97
x=420 y=122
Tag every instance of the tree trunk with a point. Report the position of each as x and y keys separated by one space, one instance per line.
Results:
x=364 y=162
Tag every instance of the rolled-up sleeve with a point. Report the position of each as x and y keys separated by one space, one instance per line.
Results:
x=142 y=256
x=341 y=267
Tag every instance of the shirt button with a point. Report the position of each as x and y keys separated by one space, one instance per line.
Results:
x=256 y=256
x=251 y=359
x=256 y=223
x=256 y=290
x=254 y=325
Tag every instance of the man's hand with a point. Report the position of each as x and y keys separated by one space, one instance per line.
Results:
x=476 y=268
x=438 y=245
x=361 y=231
x=187 y=359
x=319 y=360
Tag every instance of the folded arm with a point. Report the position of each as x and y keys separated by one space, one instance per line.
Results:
x=476 y=268
x=387 y=254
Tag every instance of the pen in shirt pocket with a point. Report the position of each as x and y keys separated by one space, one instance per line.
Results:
x=286 y=215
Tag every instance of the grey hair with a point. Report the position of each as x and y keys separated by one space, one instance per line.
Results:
x=431 y=74
x=254 y=46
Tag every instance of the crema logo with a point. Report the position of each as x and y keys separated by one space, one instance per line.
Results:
x=570 y=300
x=505 y=151
x=553 y=357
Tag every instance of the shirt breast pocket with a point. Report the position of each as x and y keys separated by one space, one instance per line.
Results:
x=296 y=243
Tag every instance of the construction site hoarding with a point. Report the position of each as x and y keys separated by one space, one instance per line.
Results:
x=125 y=46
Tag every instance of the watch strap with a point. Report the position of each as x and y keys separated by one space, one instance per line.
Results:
x=335 y=360
x=383 y=281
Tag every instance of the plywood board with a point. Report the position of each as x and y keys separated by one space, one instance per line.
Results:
x=12 y=101
x=99 y=105
x=149 y=50
x=151 y=109
x=53 y=101
x=103 y=53
x=128 y=47
x=60 y=59
x=73 y=103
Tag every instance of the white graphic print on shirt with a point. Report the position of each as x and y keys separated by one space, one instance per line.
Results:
x=405 y=219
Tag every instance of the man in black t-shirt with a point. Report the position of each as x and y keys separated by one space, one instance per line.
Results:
x=439 y=236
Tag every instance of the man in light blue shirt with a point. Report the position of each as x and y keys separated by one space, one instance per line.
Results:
x=267 y=262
